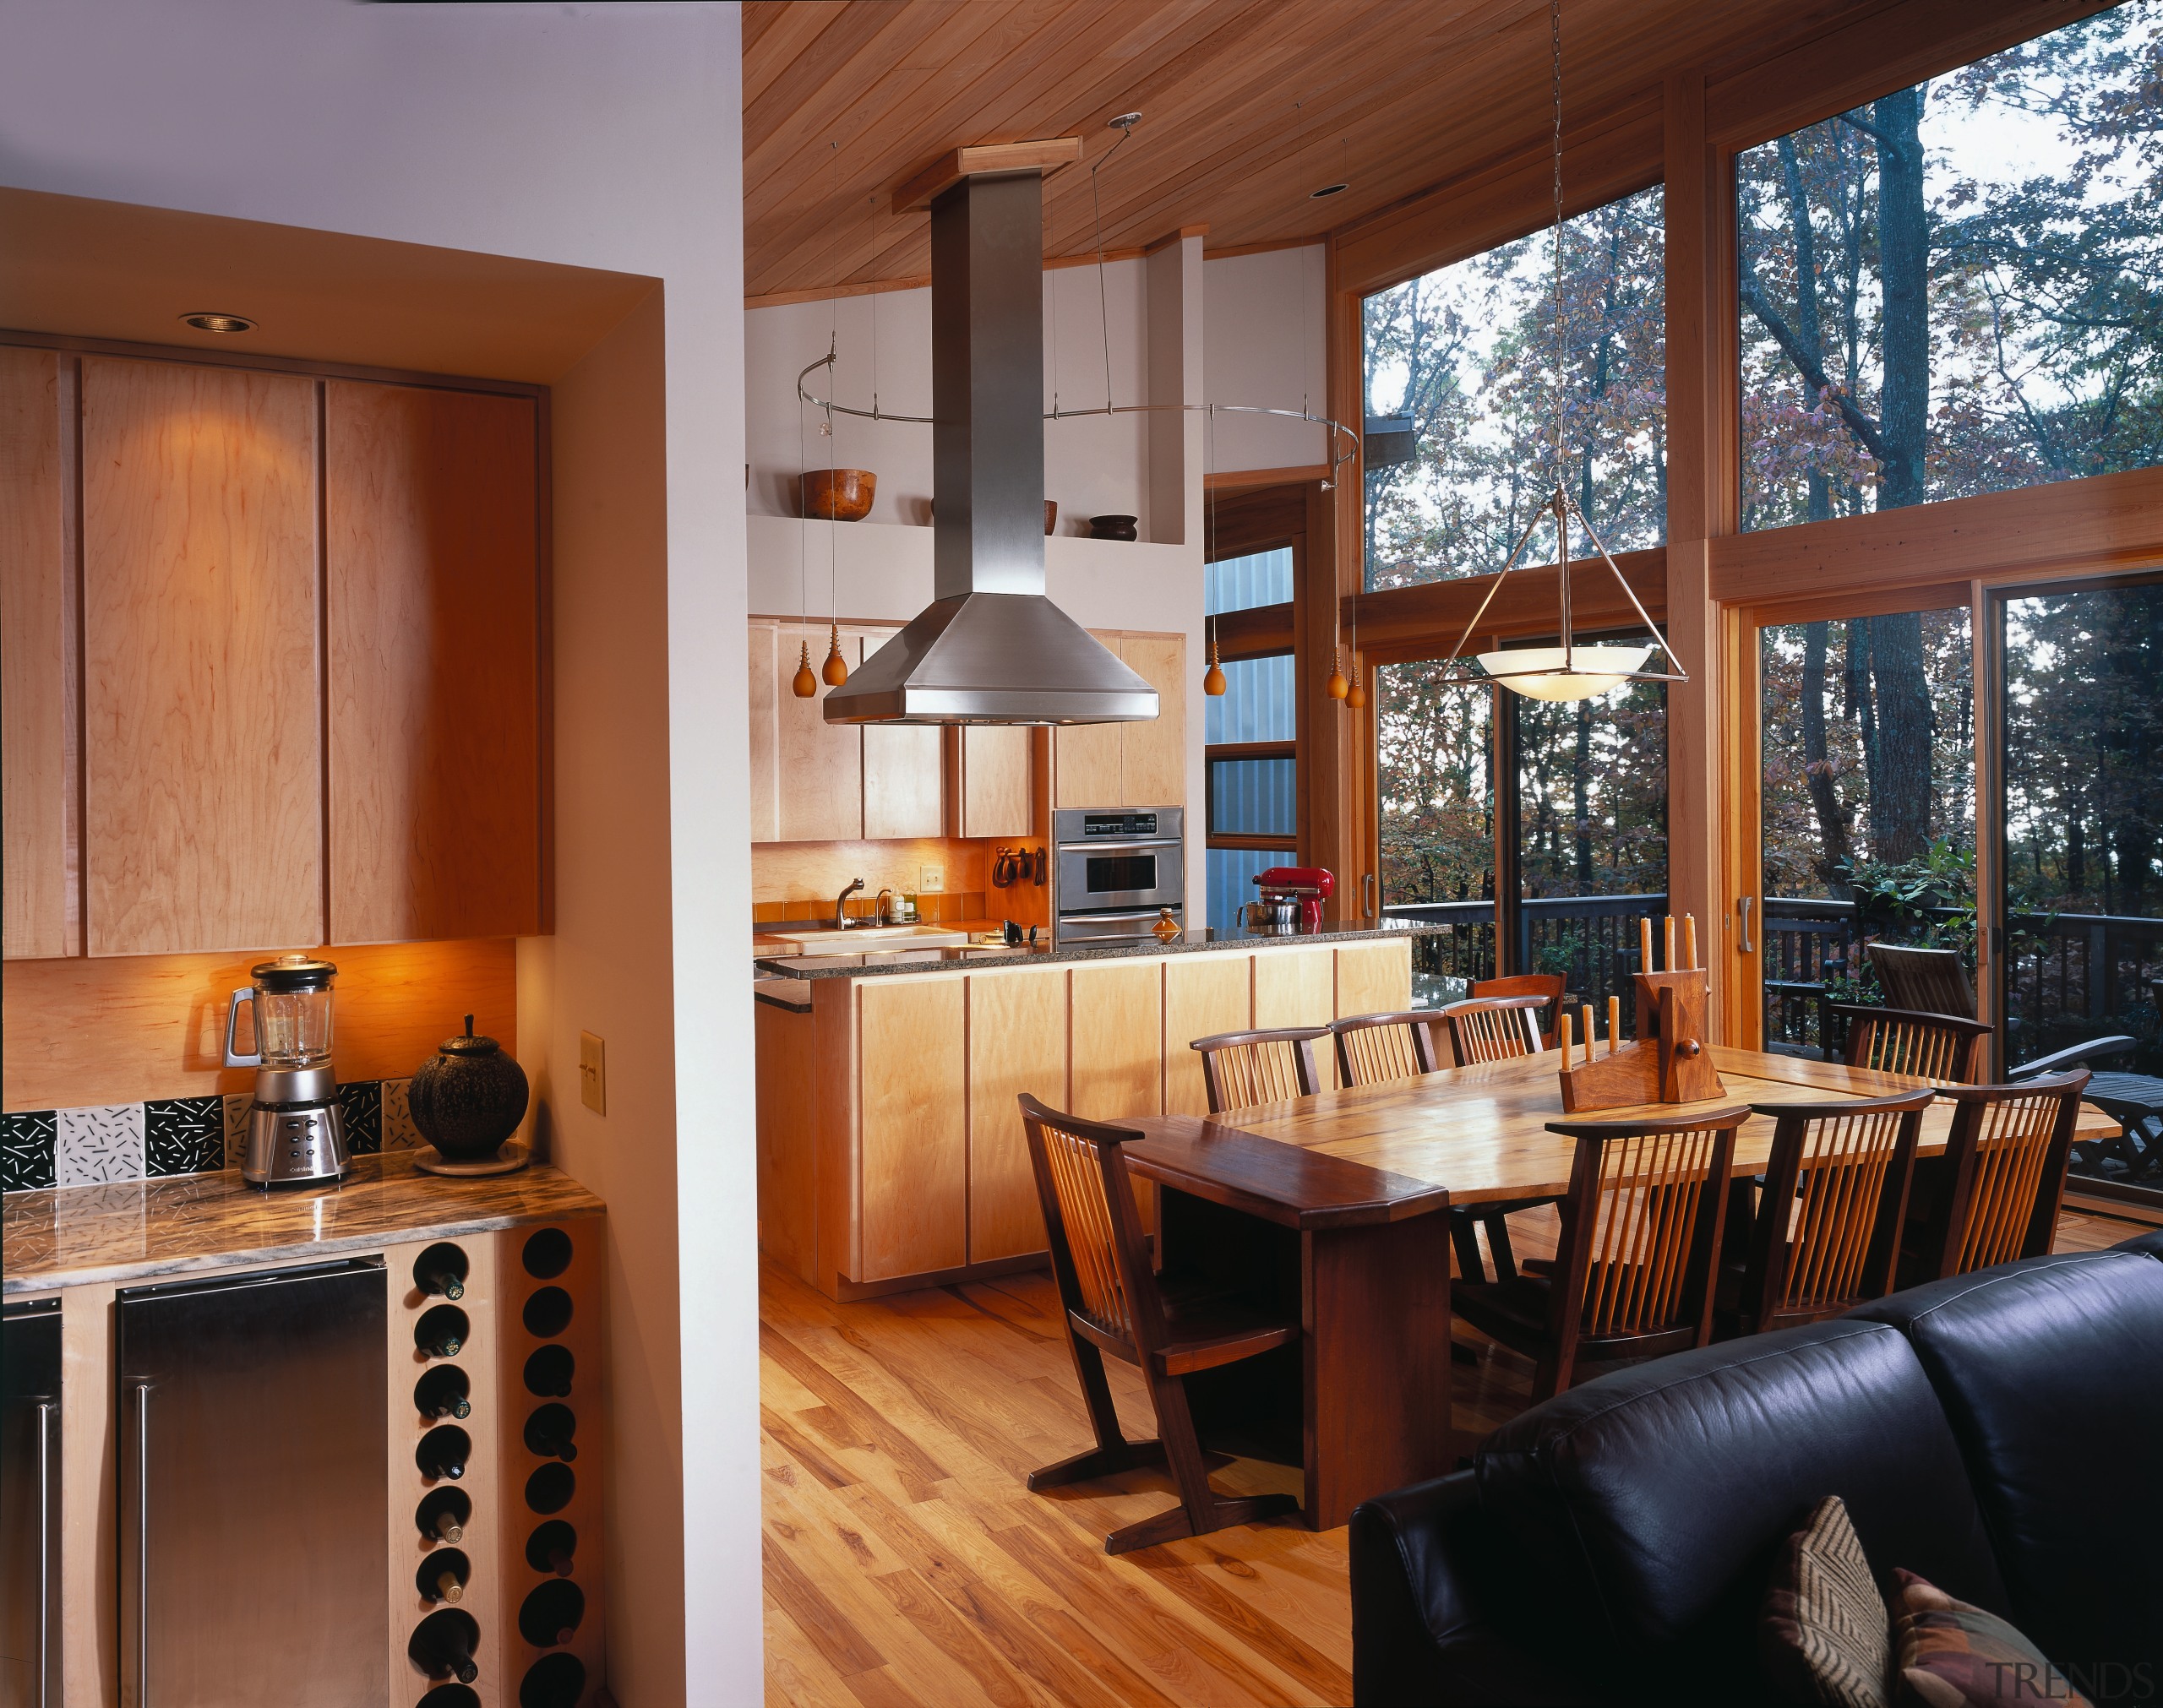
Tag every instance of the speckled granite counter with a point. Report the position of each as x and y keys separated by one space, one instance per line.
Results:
x=76 y=1235
x=906 y=960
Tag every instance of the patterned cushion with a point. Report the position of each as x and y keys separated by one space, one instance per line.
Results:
x=1823 y=1635
x=1949 y=1655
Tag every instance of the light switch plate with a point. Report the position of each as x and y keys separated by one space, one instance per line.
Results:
x=931 y=879
x=592 y=1074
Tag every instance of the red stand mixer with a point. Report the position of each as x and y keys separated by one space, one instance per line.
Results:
x=1303 y=887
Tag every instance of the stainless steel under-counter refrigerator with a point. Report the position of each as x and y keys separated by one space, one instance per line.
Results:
x=254 y=1435
x=29 y=1504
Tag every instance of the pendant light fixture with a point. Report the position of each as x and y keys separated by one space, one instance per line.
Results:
x=1338 y=687
x=806 y=685
x=1568 y=671
x=1212 y=681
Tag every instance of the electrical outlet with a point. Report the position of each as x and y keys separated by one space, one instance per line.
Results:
x=592 y=1074
x=931 y=880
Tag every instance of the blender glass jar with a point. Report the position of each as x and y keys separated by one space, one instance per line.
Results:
x=292 y=998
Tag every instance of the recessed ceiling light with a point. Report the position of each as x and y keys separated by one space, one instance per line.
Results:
x=1328 y=190
x=209 y=322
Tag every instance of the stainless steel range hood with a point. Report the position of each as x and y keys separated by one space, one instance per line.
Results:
x=990 y=648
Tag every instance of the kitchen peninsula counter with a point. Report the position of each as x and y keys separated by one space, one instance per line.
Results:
x=890 y=1149
x=132 y=1231
x=773 y=959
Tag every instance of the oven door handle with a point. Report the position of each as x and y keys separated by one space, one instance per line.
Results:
x=1110 y=918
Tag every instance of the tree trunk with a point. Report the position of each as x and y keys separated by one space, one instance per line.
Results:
x=1824 y=793
x=1904 y=247
x=1809 y=327
x=1900 y=796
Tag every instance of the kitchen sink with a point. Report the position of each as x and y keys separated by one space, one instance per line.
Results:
x=871 y=939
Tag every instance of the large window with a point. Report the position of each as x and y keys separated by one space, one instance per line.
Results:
x=1958 y=288
x=1249 y=733
x=1466 y=354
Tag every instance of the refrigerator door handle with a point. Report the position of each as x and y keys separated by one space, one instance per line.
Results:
x=142 y=1545
x=44 y=1411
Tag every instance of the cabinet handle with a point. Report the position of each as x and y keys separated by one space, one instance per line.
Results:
x=1743 y=906
x=142 y=1545
x=44 y=1411
x=1367 y=889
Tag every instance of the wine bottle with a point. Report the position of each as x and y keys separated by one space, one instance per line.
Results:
x=442 y=1392
x=554 y=1681
x=442 y=1331
x=443 y=1452
x=443 y=1516
x=441 y=1576
x=443 y=1643
x=549 y=1433
x=548 y=1373
x=550 y=1547
x=550 y=1614
x=441 y=1271
x=443 y=1282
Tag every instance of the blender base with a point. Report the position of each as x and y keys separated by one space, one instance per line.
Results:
x=295 y=1145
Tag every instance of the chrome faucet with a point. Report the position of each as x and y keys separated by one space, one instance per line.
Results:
x=841 y=918
x=882 y=912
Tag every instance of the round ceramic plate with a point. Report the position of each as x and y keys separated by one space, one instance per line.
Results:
x=512 y=1157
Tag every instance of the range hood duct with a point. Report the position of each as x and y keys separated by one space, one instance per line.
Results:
x=990 y=648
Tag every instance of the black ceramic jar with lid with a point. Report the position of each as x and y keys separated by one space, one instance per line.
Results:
x=468 y=1098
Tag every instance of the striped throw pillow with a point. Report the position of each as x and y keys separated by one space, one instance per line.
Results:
x=1824 y=1636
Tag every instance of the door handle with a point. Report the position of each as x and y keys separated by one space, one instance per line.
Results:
x=1743 y=906
x=142 y=1545
x=246 y=993
x=44 y=1410
x=1367 y=891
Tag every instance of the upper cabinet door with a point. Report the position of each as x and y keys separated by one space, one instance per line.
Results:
x=433 y=626
x=819 y=766
x=904 y=793
x=1152 y=756
x=35 y=584
x=202 y=768
x=1085 y=757
x=994 y=795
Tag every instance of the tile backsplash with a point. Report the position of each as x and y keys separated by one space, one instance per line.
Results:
x=175 y=1135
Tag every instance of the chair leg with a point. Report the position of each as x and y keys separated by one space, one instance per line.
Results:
x=1498 y=1243
x=1113 y=1452
x=1465 y=1236
x=1201 y=1510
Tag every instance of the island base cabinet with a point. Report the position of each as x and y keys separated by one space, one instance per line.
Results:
x=912 y=1213
x=1017 y=1043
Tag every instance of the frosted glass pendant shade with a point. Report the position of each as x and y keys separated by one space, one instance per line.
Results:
x=1537 y=672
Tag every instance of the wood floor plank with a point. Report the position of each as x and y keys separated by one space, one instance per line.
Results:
x=839 y=1643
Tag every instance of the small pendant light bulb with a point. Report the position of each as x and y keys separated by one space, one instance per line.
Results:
x=806 y=685
x=1355 y=695
x=1213 y=685
x=835 y=669
x=1338 y=687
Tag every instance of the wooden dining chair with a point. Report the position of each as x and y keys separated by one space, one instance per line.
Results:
x=1243 y=1068
x=1827 y=1232
x=1633 y=1274
x=1378 y=1049
x=1494 y=1029
x=1905 y=1040
x=1115 y=1303
x=1924 y=981
x=1550 y=988
x=2004 y=1177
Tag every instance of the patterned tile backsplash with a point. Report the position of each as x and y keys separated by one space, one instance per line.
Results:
x=175 y=1135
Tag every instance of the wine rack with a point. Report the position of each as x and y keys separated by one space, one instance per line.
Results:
x=549 y=1439
x=447 y=1409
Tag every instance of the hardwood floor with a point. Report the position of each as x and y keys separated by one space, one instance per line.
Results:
x=905 y=1563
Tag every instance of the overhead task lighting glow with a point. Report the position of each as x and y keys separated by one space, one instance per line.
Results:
x=208 y=321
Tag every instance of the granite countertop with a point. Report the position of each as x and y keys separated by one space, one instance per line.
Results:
x=908 y=961
x=133 y=1230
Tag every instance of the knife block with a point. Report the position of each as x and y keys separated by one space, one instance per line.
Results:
x=1668 y=1065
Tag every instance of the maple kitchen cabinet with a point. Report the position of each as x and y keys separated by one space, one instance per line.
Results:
x=313 y=669
x=1130 y=765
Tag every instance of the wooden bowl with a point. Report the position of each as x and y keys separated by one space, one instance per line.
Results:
x=1051 y=515
x=839 y=495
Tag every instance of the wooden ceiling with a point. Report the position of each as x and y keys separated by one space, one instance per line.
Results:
x=1248 y=107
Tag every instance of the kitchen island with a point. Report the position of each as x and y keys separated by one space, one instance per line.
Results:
x=891 y=1149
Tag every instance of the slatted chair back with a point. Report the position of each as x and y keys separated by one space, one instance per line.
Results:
x=1925 y=981
x=2006 y=1152
x=1494 y=1029
x=1094 y=1227
x=1376 y=1049
x=1241 y=1070
x=1942 y=1046
x=1827 y=1230
x=1549 y=988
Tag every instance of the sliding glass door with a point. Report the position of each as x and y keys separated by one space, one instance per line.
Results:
x=2081 y=729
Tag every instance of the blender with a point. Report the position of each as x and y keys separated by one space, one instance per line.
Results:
x=295 y=1133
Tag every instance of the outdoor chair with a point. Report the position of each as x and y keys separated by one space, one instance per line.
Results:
x=1115 y=1303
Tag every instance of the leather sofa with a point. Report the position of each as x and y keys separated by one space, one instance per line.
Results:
x=1999 y=1433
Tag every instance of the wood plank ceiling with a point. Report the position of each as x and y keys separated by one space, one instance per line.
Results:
x=1248 y=107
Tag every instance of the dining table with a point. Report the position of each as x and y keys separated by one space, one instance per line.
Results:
x=1334 y=1202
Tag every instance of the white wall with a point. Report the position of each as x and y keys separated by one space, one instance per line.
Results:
x=1267 y=345
x=1093 y=467
x=606 y=136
